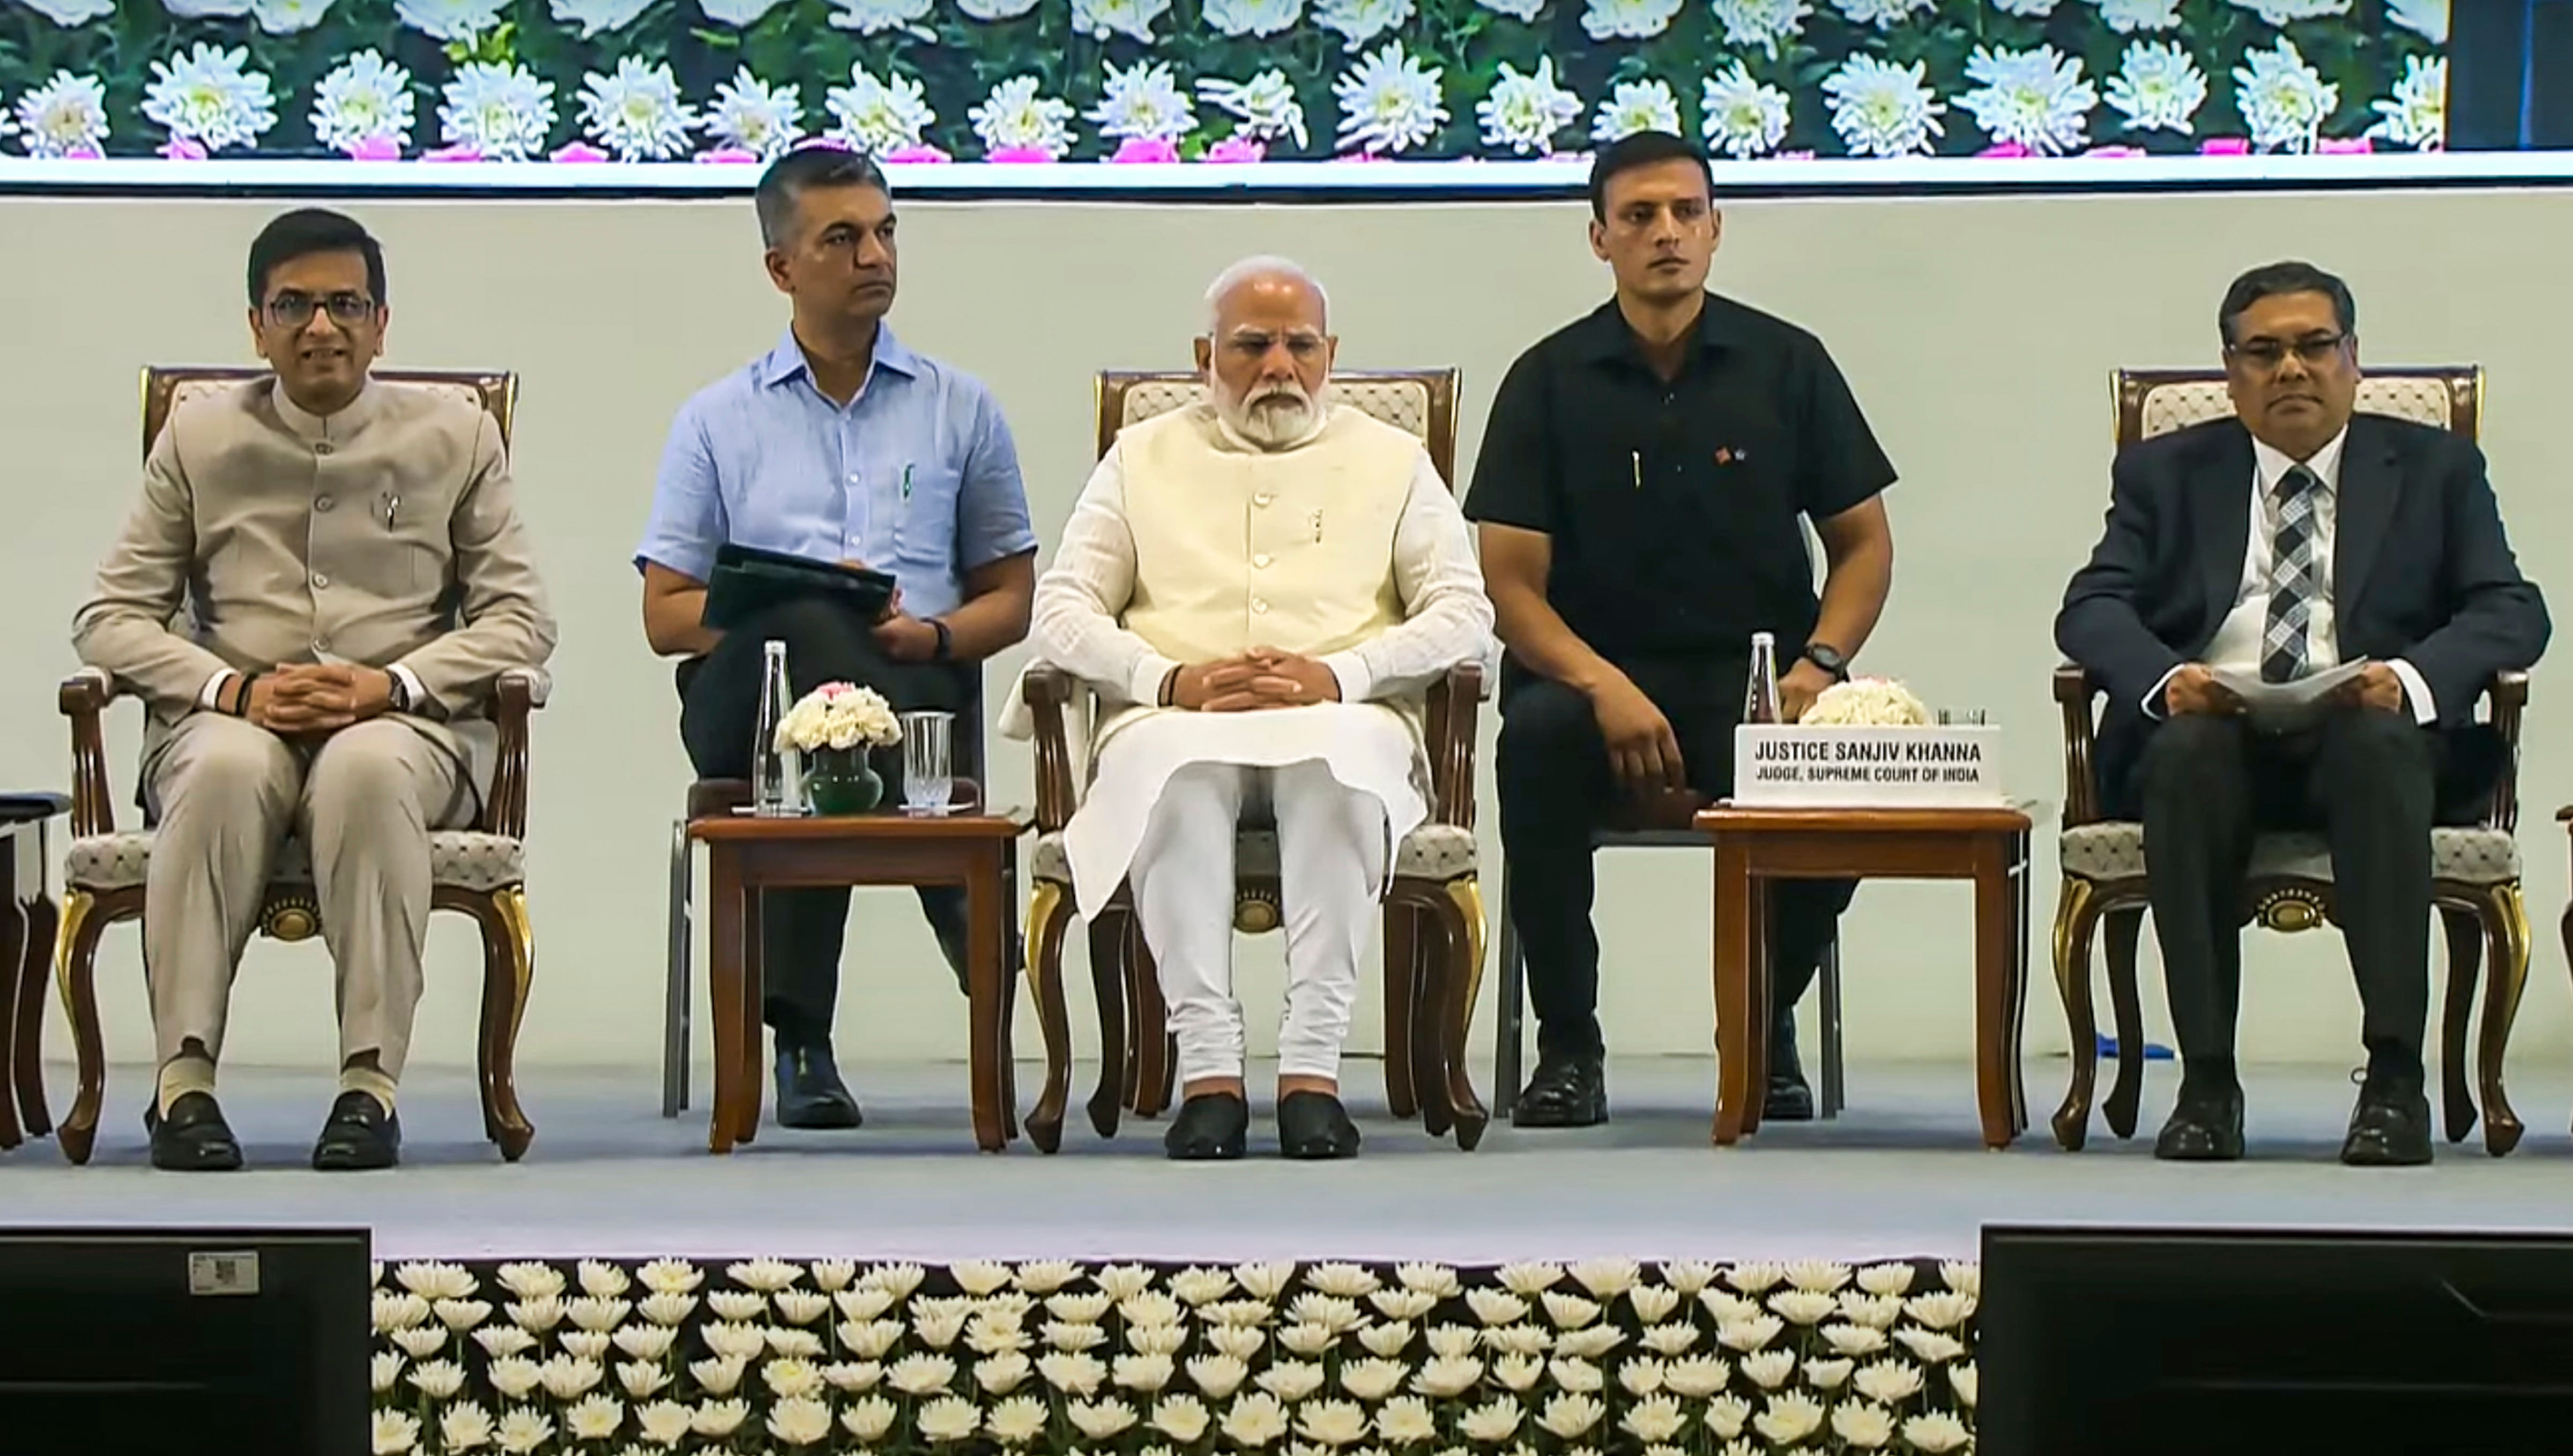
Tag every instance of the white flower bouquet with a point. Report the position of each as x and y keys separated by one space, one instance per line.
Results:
x=1866 y=702
x=1598 y=1358
x=839 y=715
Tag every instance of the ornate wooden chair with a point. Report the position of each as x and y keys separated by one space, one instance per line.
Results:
x=481 y=871
x=2476 y=870
x=1433 y=926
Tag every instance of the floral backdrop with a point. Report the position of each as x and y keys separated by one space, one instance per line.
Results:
x=1598 y=1358
x=1218 y=80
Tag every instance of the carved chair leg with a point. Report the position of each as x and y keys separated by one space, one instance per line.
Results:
x=1402 y=971
x=1433 y=951
x=2465 y=932
x=2075 y=917
x=77 y=972
x=2125 y=928
x=1048 y=914
x=1157 y=1056
x=1116 y=1054
x=2506 y=929
x=509 y=972
x=44 y=921
x=1460 y=981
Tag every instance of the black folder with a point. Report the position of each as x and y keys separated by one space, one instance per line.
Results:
x=748 y=581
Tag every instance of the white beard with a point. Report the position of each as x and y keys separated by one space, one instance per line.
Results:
x=1273 y=420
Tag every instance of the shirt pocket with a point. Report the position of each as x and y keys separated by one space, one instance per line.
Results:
x=924 y=529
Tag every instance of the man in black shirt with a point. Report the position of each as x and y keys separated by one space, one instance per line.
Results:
x=1639 y=492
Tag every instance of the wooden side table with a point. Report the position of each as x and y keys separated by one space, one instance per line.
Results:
x=27 y=923
x=1752 y=846
x=747 y=855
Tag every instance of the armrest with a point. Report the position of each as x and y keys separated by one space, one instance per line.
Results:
x=84 y=698
x=1455 y=703
x=515 y=694
x=2074 y=691
x=1047 y=690
x=2508 y=695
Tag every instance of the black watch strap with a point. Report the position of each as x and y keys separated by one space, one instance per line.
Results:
x=946 y=651
x=1828 y=659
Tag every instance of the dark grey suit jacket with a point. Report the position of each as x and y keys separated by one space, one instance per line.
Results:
x=2422 y=571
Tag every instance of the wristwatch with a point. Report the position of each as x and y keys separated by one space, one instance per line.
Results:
x=398 y=697
x=1829 y=658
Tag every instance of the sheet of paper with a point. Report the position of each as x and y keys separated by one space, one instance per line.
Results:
x=2286 y=706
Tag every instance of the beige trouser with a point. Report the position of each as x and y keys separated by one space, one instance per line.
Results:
x=363 y=802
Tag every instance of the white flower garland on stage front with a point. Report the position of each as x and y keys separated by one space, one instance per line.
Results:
x=1529 y=1359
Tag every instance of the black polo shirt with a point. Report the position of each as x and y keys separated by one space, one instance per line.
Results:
x=1674 y=505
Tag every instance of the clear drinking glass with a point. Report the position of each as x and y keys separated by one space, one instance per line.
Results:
x=928 y=762
x=1961 y=718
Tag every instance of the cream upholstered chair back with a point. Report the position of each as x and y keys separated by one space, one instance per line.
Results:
x=2157 y=402
x=167 y=387
x=1423 y=402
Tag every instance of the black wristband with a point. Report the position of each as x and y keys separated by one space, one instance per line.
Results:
x=946 y=649
x=241 y=695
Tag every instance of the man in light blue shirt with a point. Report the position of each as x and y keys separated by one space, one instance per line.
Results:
x=841 y=445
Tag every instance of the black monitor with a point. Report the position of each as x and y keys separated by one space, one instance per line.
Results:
x=2104 y=1341
x=163 y=1340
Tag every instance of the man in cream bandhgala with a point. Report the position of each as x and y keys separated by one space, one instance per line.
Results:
x=1261 y=588
x=322 y=581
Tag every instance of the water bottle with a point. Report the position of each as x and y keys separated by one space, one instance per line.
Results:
x=776 y=774
x=1760 y=697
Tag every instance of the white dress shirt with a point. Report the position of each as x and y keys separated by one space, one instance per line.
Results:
x=2239 y=638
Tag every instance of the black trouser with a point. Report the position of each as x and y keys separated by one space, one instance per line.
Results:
x=2368 y=780
x=1556 y=787
x=720 y=711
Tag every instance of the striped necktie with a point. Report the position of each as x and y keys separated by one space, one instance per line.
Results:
x=2285 y=646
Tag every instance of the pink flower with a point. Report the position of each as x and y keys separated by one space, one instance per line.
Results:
x=2344 y=147
x=85 y=151
x=2225 y=146
x=1805 y=155
x=2006 y=149
x=2114 y=152
x=729 y=154
x=1237 y=149
x=185 y=149
x=1019 y=154
x=461 y=152
x=835 y=689
x=1358 y=157
x=828 y=144
x=915 y=152
x=1146 y=148
x=375 y=149
x=579 y=152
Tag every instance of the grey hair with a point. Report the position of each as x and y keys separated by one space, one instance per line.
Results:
x=1262 y=265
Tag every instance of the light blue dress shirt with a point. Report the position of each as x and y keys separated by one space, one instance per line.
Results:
x=917 y=475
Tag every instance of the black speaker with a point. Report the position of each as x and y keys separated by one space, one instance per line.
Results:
x=2510 y=75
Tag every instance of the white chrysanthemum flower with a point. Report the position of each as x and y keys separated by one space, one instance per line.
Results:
x=636 y=113
x=1892 y=1278
x=1963 y=1275
x=670 y=1276
x=2287 y=12
x=992 y=10
x=1670 y=1339
x=1042 y=1277
x=502 y=111
x=1529 y=1277
x=384 y=1370
x=1790 y=1418
x=1251 y=17
x=439 y=1379
x=2037 y=99
x=449 y=20
x=1635 y=105
x=1569 y=1416
x=1015 y=117
x=1264 y=107
x=2428 y=19
x=1854 y=1340
x=465 y=1427
x=288 y=17
x=1765 y=24
x=1877 y=1311
x=500 y=1341
x=1289 y=1380
x=209 y=98
x=869 y=1419
x=1936 y=1434
x=1883 y=14
x=1966 y=1380
x=1255 y=1420
x=65 y=115
x=1881 y=109
x=1688 y=1275
x=1361 y=21
x=394 y=1433
x=1888 y=1382
x=523 y=1430
x=741 y=14
x=2158 y=88
x=1144 y=100
x=1017 y=1421
x=1523 y=113
x=800 y=1421
x=764 y=121
x=2417 y=115
x=879 y=115
x=68 y=13
x=1437 y=1279
x=1744 y=118
x=2127 y=17
x=1628 y=19
x=745 y=1306
x=207 y=9
x=875 y=17
x=598 y=17
x=1520 y=10
x=2284 y=101
x=1100 y=19
x=719 y=1418
x=1389 y=103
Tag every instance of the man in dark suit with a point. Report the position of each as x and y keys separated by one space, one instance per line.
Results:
x=2287 y=540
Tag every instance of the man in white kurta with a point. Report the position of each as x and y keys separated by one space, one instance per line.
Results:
x=1260 y=588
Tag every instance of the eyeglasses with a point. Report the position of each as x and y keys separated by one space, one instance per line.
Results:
x=294 y=311
x=2267 y=354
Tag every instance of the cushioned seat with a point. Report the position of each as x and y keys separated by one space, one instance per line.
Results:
x=459 y=859
x=2114 y=849
x=1441 y=852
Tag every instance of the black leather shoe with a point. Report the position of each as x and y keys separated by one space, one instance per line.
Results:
x=1563 y=1091
x=1312 y=1127
x=1789 y=1098
x=2206 y=1126
x=1210 y=1127
x=810 y=1094
x=358 y=1135
x=194 y=1138
x=2391 y=1127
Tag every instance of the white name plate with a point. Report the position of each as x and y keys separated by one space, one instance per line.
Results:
x=1867 y=768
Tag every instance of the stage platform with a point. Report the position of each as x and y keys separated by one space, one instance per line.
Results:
x=1901 y=1174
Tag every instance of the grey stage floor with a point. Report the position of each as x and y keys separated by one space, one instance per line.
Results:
x=1901 y=1173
